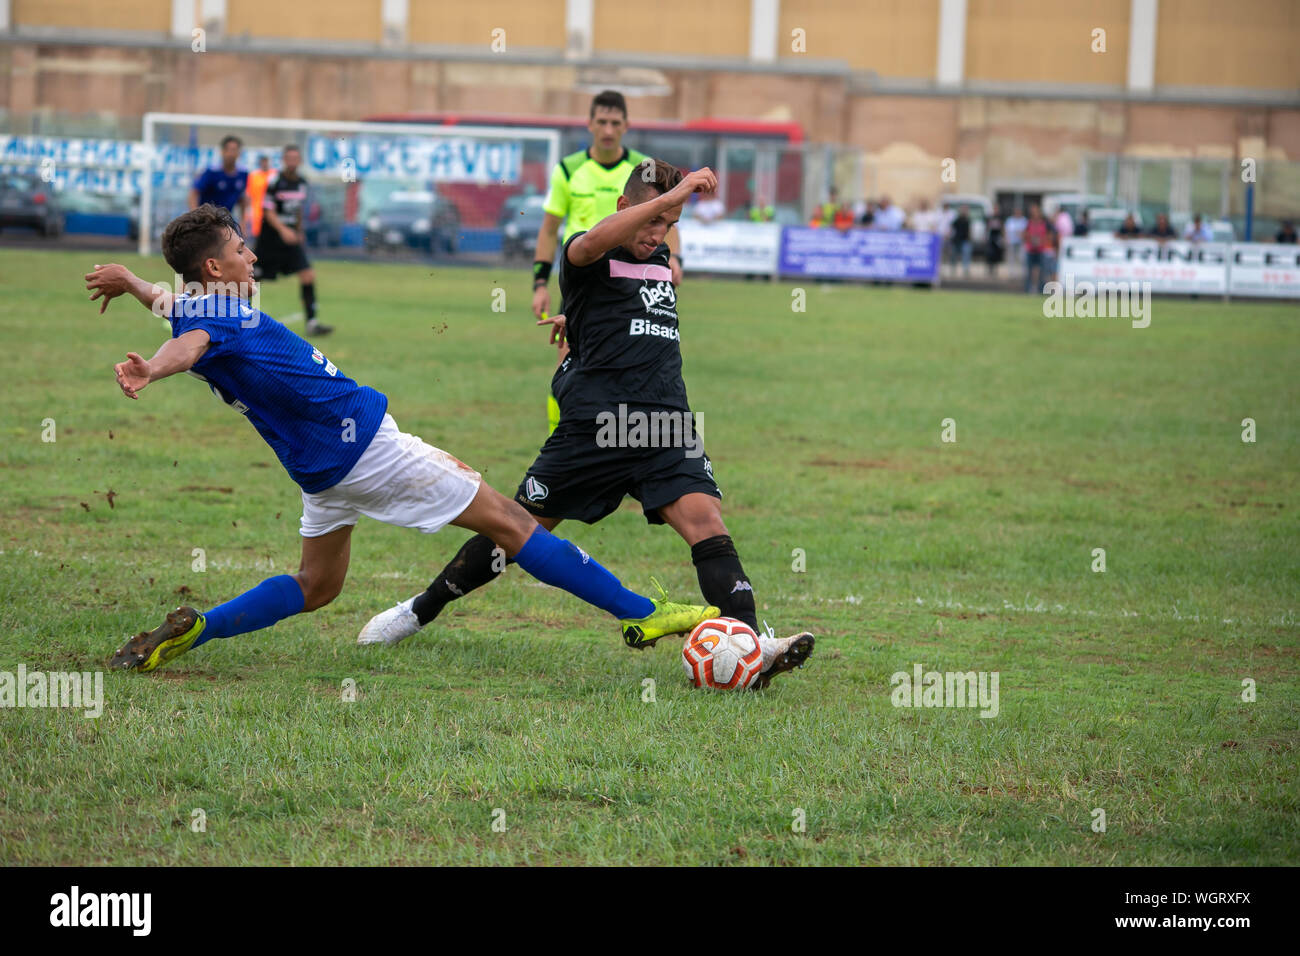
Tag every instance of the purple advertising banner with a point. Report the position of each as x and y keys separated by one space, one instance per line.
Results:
x=859 y=254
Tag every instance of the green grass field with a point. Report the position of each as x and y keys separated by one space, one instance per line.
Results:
x=1119 y=690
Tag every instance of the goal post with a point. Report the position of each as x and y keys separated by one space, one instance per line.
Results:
x=468 y=173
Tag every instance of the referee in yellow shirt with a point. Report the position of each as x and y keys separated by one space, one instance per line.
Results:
x=585 y=187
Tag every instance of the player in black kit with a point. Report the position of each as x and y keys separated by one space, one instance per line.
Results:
x=281 y=246
x=626 y=427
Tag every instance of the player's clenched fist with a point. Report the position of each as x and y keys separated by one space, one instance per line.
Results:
x=132 y=375
x=701 y=181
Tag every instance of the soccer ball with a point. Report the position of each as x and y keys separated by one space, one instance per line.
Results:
x=722 y=652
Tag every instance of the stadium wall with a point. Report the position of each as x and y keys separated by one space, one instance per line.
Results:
x=1032 y=100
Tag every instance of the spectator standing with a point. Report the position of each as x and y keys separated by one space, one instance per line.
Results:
x=993 y=243
x=888 y=216
x=1037 y=243
x=709 y=208
x=1015 y=226
x=960 y=244
x=1063 y=225
x=1128 y=229
x=1081 y=227
x=1197 y=231
x=1052 y=254
x=843 y=217
x=1162 y=231
x=831 y=206
x=925 y=219
x=761 y=211
x=1286 y=235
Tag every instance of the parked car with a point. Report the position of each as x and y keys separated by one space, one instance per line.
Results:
x=418 y=219
x=520 y=220
x=323 y=222
x=1105 y=222
x=29 y=201
x=116 y=210
x=1073 y=203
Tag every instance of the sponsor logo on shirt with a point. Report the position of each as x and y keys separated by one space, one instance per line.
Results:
x=660 y=292
x=646 y=327
x=535 y=490
x=319 y=358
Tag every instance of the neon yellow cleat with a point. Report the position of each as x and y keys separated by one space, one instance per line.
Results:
x=149 y=650
x=668 y=618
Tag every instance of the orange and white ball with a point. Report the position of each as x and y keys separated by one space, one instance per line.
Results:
x=722 y=652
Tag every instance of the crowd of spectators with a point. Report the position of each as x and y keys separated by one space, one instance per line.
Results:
x=1030 y=242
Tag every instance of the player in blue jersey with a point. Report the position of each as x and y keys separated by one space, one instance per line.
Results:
x=224 y=185
x=338 y=442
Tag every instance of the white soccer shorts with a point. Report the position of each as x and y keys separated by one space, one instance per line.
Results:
x=399 y=480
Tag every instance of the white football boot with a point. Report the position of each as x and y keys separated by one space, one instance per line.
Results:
x=392 y=626
x=781 y=654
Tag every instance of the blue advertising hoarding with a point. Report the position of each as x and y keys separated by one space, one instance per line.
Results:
x=859 y=254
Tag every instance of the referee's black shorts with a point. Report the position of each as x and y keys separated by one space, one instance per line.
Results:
x=275 y=257
x=574 y=478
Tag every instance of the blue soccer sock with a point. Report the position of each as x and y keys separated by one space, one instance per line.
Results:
x=564 y=565
x=273 y=600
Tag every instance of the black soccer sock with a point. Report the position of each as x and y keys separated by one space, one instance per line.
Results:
x=722 y=580
x=309 y=300
x=476 y=564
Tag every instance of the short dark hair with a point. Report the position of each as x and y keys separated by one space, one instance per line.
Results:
x=196 y=236
x=290 y=146
x=232 y=139
x=610 y=99
x=651 y=176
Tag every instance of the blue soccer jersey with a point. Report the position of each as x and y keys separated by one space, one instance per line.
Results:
x=316 y=419
x=221 y=188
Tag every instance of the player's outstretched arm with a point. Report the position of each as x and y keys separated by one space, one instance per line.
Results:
x=622 y=227
x=112 y=280
x=176 y=355
x=543 y=256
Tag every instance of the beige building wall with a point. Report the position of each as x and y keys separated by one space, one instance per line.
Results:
x=357 y=21
x=536 y=23
x=136 y=15
x=894 y=38
x=1035 y=42
x=675 y=27
x=1242 y=43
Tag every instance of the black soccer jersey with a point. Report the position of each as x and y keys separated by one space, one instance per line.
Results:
x=289 y=200
x=624 y=343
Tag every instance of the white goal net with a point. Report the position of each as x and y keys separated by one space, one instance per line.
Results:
x=373 y=188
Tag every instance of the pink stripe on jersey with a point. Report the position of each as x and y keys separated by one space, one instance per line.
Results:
x=618 y=269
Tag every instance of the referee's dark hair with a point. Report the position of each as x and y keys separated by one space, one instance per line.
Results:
x=195 y=236
x=610 y=99
x=652 y=177
x=232 y=139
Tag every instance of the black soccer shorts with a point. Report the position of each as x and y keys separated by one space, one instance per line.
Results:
x=574 y=478
x=275 y=257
